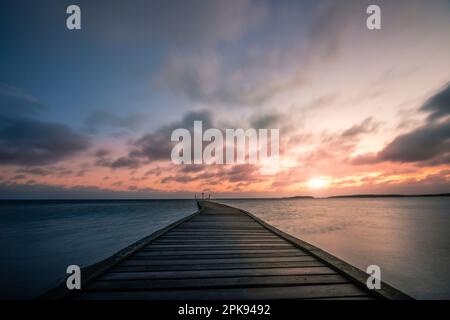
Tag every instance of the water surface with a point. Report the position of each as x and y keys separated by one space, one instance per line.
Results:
x=39 y=239
x=407 y=237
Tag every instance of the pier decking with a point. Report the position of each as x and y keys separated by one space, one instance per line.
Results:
x=219 y=253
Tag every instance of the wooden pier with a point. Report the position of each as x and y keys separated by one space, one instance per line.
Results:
x=221 y=253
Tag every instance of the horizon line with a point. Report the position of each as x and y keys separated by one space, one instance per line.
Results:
x=308 y=197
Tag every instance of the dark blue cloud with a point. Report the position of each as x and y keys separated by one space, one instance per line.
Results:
x=25 y=140
x=428 y=144
x=157 y=145
x=438 y=105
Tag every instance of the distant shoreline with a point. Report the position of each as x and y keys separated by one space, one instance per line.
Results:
x=356 y=196
x=389 y=195
x=393 y=195
x=352 y=196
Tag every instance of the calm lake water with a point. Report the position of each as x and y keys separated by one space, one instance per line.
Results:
x=407 y=237
x=38 y=240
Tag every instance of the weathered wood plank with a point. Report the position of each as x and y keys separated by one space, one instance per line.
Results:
x=214 y=273
x=193 y=256
x=236 y=240
x=220 y=231
x=139 y=266
x=219 y=224
x=217 y=282
x=202 y=238
x=149 y=251
x=222 y=234
x=221 y=227
x=242 y=229
x=196 y=242
x=219 y=236
x=231 y=218
x=245 y=259
x=263 y=293
x=218 y=246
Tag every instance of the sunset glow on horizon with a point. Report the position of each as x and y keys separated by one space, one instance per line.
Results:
x=317 y=183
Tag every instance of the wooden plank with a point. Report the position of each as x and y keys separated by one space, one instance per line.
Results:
x=192 y=256
x=221 y=237
x=263 y=293
x=233 y=240
x=231 y=220
x=150 y=261
x=149 y=251
x=219 y=223
x=207 y=218
x=223 y=243
x=214 y=273
x=221 y=228
x=224 y=229
x=182 y=238
x=216 y=282
x=217 y=247
x=222 y=234
x=180 y=231
x=218 y=240
x=141 y=266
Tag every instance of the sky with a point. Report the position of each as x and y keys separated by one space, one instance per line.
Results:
x=89 y=113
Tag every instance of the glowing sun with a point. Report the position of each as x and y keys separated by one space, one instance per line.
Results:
x=317 y=183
